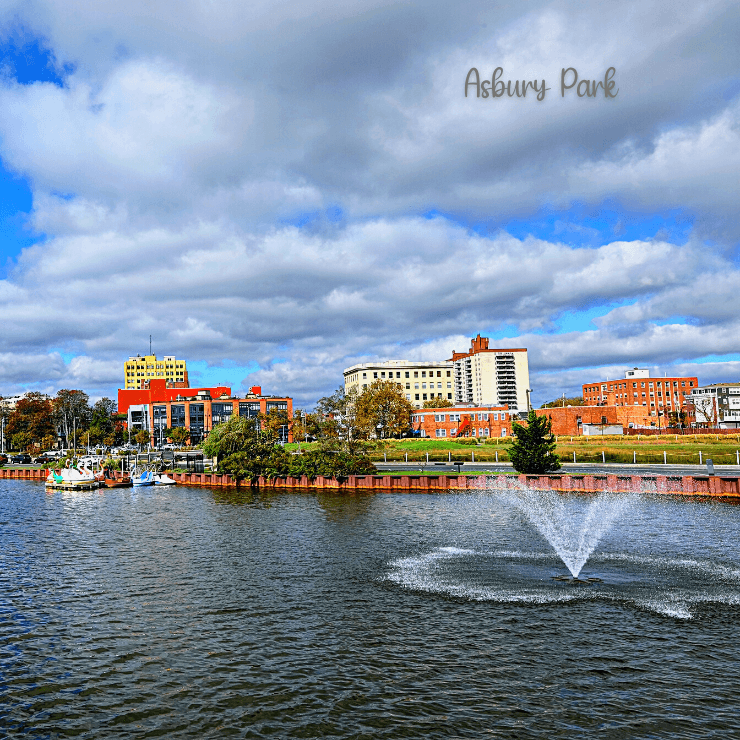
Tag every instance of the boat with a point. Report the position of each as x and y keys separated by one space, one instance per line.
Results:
x=144 y=478
x=162 y=479
x=71 y=477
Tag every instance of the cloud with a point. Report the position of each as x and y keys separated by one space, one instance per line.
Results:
x=263 y=183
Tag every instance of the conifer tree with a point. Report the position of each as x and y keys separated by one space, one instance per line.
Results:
x=533 y=449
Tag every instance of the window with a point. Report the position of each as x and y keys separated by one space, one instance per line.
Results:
x=424 y=385
x=448 y=375
x=398 y=374
x=503 y=432
x=375 y=375
x=441 y=432
x=364 y=375
x=449 y=385
x=408 y=396
x=250 y=409
x=449 y=396
x=416 y=385
x=439 y=373
x=408 y=386
x=407 y=373
x=416 y=373
x=416 y=396
x=382 y=375
x=423 y=396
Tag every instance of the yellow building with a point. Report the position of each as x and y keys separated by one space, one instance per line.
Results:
x=138 y=371
x=418 y=381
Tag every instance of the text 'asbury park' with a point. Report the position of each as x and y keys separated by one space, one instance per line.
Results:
x=498 y=88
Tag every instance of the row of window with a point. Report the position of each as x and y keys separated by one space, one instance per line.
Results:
x=658 y=384
x=407 y=374
x=481 y=432
x=480 y=416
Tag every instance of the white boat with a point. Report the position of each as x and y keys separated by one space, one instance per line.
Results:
x=79 y=478
x=145 y=478
x=162 y=479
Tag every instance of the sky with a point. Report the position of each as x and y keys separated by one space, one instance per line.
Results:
x=277 y=191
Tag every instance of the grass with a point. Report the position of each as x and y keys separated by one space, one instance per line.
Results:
x=722 y=449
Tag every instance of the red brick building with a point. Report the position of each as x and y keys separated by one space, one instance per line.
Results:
x=653 y=394
x=463 y=421
x=197 y=409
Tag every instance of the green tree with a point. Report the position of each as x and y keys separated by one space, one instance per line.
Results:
x=331 y=461
x=30 y=422
x=234 y=435
x=72 y=413
x=178 y=435
x=382 y=410
x=533 y=448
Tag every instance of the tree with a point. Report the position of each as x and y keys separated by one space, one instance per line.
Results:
x=72 y=413
x=533 y=448
x=234 y=435
x=178 y=435
x=142 y=437
x=30 y=422
x=438 y=403
x=382 y=410
x=102 y=424
x=558 y=402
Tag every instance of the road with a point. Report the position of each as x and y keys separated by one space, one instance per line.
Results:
x=567 y=469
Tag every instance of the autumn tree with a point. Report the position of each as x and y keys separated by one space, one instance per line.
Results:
x=30 y=422
x=382 y=410
x=438 y=403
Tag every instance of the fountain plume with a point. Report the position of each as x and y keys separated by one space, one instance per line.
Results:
x=572 y=532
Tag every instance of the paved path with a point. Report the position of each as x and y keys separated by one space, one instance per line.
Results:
x=568 y=468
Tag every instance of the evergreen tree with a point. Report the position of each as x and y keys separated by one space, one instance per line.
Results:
x=533 y=449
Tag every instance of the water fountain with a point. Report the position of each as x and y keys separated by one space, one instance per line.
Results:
x=573 y=532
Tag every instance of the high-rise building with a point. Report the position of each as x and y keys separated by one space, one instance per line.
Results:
x=485 y=376
x=138 y=371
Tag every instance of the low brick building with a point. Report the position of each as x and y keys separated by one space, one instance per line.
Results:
x=570 y=420
x=463 y=421
x=638 y=389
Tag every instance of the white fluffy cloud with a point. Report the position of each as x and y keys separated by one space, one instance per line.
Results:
x=247 y=183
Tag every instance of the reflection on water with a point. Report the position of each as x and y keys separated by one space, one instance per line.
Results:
x=197 y=613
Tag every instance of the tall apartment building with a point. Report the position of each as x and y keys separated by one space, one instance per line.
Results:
x=138 y=371
x=485 y=376
x=419 y=381
x=637 y=388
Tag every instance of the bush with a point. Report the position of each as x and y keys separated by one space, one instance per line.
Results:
x=469 y=441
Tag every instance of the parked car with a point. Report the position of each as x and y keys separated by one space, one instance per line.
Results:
x=3 y=459
x=45 y=458
x=22 y=459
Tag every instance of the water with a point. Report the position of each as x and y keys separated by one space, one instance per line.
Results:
x=191 y=613
x=571 y=525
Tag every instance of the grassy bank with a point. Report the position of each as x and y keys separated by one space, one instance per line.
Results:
x=723 y=450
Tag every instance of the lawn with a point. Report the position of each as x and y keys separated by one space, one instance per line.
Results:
x=722 y=449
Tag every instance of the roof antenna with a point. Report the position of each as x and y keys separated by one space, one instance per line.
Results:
x=150 y=344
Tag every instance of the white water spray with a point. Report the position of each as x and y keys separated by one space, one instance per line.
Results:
x=572 y=526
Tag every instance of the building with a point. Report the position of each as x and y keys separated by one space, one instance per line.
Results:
x=479 y=377
x=159 y=406
x=717 y=405
x=637 y=388
x=138 y=371
x=485 y=376
x=418 y=381
x=463 y=421
x=589 y=420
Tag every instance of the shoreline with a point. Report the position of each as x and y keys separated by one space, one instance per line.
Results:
x=684 y=485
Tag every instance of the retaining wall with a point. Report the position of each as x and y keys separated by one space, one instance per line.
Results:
x=713 y=485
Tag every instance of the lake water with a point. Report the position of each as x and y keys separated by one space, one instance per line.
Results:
x=191 y=613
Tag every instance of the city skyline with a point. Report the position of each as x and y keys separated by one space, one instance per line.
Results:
x=276 y=194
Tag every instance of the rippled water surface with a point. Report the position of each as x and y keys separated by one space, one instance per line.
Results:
x=204 y=614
